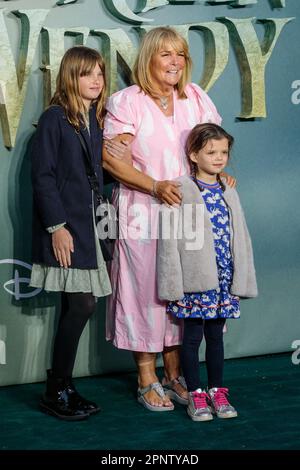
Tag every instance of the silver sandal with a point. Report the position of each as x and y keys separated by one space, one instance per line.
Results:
x=157 y=387
x=169 y=389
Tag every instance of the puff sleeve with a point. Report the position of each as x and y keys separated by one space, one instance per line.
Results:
x=120 y=117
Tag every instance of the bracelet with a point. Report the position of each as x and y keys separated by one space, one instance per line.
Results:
x=153 y=192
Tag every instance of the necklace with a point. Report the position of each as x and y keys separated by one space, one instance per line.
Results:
x=164 y=102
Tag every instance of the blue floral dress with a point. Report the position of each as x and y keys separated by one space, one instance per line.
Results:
x=217 y=303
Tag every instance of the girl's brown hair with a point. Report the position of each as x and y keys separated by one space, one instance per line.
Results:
x=153 y=42
x=198 y=138
x=77 y=62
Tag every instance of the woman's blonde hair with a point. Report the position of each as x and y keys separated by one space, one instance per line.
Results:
x=77 y=62
x=153 y=42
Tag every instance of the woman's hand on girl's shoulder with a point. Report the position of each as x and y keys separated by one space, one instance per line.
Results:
x=119 y=149
x=230 y=180
x=62 y=244
x=168 y=192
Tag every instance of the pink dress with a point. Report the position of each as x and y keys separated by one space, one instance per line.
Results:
x=136 y=318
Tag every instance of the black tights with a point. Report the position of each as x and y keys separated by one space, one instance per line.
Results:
x=76 y=309
x=194 y=328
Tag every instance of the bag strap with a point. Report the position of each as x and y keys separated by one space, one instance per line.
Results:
x=90 y=172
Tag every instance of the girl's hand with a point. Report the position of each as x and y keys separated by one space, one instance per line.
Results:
x=119 y=149
x=168 y=192
x=62 y=244
x=230 y=180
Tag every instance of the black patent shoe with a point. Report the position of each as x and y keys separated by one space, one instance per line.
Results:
x=87 y=406
x=62 y=407
x=59 y=400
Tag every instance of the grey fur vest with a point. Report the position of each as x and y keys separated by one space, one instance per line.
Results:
x=182 y=266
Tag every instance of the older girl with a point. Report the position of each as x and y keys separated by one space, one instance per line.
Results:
x=66 y=253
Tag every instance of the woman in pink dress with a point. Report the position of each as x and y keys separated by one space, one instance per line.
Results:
x=155 y=116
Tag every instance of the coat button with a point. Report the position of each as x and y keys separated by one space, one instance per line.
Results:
x=90 y=206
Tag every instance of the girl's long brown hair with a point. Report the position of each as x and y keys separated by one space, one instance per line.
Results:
x=76 y=62
x=198 y=138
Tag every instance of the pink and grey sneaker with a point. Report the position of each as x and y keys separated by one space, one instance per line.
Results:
x=219 y=403
x=198 y=408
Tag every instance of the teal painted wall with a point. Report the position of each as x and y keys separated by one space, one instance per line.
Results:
x=265 y=161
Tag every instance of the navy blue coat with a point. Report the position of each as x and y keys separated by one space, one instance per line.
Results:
x=61 y=191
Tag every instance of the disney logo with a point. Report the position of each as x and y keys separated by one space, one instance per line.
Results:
x=17 y=281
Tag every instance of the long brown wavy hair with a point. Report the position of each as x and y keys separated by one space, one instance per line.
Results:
x=77 y=62
x=198 y=138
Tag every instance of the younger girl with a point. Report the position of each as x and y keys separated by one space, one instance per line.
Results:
x=67 y=257
x=204 y=284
